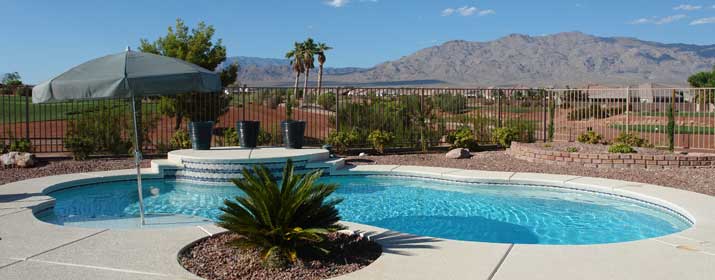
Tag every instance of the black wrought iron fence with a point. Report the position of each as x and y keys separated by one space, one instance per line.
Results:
x=414 y=117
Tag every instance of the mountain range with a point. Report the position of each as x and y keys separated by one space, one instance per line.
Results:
x=563 y=59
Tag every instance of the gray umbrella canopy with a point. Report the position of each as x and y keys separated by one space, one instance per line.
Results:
x=125 y=75
x=128 y=75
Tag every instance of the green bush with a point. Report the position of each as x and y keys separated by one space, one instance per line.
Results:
x=342 y=140
x=20 y=145
x=80 y=145
x=327 y=101
x=589 y=137
x=180 y=140
x=264 y=138
x=525 y=130
x=632 y=140
x=670 y=129
x=621 y=148
x=283 y=220
x=380 y=139
x=229 y=137
x=462 y=138
x=572 y=149
x=505 y=135
x=107 y=139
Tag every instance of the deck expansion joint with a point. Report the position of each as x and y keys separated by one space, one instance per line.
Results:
x=501 y=262
x=66 y=244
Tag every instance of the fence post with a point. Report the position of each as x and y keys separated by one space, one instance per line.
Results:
x=628 y=110
x=27 y=115
x=545 y=108
x=499 y=93
x=338 y=92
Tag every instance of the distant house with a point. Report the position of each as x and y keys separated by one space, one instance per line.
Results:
x=643 y=93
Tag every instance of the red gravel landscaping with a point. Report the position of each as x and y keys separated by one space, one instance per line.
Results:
x=213 y=259
x=58 y=167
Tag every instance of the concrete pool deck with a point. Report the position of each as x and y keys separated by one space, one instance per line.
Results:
x=32 y=249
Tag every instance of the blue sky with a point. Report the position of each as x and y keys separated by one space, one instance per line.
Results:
x=43 y=38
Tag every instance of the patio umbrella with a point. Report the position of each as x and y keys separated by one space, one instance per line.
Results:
x=128 y=75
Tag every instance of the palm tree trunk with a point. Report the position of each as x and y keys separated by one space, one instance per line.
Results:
x=305 y=88
x=289 y=107
x=320 y=77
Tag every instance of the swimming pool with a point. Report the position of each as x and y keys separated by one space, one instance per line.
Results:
x=502 y=213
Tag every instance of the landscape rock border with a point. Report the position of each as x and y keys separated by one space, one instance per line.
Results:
x=531 y=153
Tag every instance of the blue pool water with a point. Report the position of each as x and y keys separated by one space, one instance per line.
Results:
x=461 y=211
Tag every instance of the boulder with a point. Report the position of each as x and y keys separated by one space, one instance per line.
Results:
x=24 y=160
x=458 y=153
x=8 y=159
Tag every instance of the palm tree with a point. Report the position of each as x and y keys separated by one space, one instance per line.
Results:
x=309 y=50
x=322 y=48
x=296 y=61
x=282 y=219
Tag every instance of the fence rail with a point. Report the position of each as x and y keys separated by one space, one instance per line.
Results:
x=417 y=117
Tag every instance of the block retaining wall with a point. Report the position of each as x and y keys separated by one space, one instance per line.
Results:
x=608 y=160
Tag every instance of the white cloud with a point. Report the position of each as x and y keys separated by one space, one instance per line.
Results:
x=703 y=21
x=466 y=11
x=686 y=7
x=659 y=20
x=487 y=12
x=337 y=3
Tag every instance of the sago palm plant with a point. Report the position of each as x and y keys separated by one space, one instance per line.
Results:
x=281 y=219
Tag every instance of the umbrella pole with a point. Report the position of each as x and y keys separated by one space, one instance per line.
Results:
x=138 y=160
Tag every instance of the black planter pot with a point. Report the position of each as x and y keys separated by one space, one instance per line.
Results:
x=248 y=133
x=293 y=132
x=200 y=134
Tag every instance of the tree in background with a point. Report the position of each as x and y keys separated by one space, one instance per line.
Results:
x=296 y=61
x=12 y=79
x=196 y=47
x=309 y=51
x=704 y=80
x=322 y=48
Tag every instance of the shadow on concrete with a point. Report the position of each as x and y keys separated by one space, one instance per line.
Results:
x=473 y=228
x=398 y=243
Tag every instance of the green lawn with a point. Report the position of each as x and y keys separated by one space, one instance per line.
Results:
x=12 y=109
x=662 y=128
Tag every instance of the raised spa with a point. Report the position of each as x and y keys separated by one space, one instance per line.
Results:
x=503 y=213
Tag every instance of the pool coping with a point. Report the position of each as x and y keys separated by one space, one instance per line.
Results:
x=416 y=261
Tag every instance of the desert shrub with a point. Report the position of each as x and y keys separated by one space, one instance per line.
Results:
x=380 y=139
x=525 y=130
x=342 y=140
x=282 y=220
x=462 y=138
x=327 y=101
x=453 y=103
x=589 y=137
x=80 y=145
x=551 y=127
x=264 y=137
x=180 y=140
x=20 y=145
x=670 y=129
x=632 y=140
x=571 y=149
x=107 y=139
x=505 y=135
x=621 y=148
